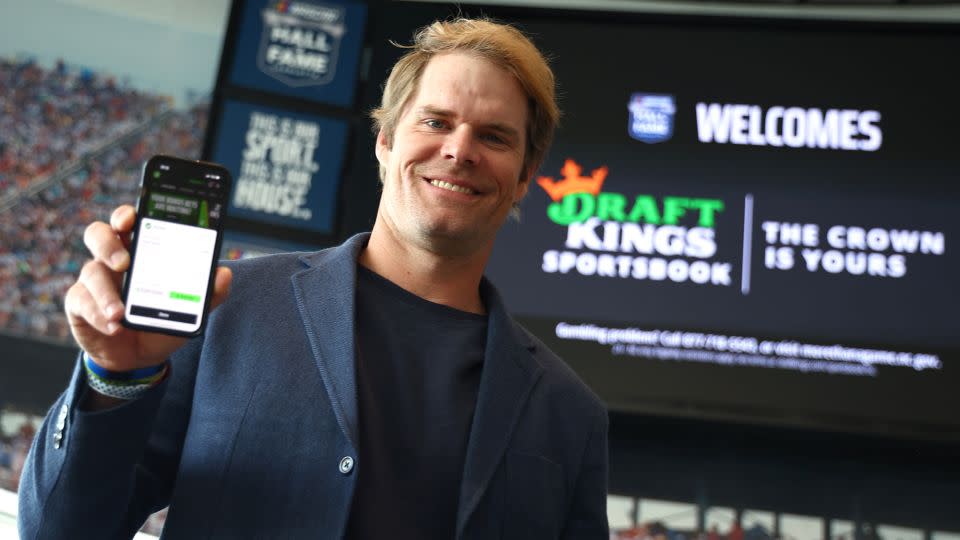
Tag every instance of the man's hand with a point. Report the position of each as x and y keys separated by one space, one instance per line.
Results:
x=93 y=304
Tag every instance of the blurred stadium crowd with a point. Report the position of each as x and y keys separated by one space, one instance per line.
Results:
x=51 y=117
x=658 y=530
x=86 y=137
x=13 y=453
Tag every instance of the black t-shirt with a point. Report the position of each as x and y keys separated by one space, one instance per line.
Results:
x=418 y=374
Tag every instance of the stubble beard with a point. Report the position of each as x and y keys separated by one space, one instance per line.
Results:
x=429 y=231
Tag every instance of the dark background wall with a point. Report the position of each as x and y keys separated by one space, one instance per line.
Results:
x=35 y=372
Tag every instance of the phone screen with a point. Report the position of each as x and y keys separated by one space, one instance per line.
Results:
x=175 y=244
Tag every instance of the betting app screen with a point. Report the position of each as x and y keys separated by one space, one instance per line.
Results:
x=176 y=241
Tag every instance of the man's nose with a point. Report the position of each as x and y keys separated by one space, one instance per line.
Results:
x=461 y=146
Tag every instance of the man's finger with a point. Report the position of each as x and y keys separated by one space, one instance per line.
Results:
x=101 y=285
x=122 y=220
x=105 y=246
x=83 y=313
x=221 y=286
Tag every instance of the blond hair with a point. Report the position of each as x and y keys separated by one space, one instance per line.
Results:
x=501 y=44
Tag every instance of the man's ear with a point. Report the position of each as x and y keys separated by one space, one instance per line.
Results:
x=382 y=148
x=524 y=185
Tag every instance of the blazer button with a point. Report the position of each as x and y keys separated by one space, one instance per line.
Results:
x=346 y=465
x=62 y=418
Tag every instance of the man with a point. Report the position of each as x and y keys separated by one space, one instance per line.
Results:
x=377 y=389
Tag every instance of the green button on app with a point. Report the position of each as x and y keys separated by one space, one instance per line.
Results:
x=184 y=296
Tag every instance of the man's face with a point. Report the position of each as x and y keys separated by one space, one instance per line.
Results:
x=455 y=165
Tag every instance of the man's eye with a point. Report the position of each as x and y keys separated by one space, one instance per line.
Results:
x=435 y=124
x=493 y=138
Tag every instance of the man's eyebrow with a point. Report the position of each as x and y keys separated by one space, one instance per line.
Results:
x=428 y=110
x=504 y=129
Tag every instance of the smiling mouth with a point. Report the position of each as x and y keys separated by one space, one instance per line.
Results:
x=452 y=187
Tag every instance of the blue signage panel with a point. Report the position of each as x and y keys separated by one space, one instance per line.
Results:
x=306 y=49
x=286 y=165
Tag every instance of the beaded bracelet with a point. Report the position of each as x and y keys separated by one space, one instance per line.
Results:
x=122 y=384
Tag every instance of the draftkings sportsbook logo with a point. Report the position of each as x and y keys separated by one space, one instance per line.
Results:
x=300 y=42
x=643 y=237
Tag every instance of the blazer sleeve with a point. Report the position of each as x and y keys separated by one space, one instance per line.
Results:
x=105 y=472
x=587 y=518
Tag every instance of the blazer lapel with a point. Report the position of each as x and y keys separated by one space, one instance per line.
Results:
x=325 y=294
x=509 y=374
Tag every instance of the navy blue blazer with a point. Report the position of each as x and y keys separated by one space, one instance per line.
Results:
x=247 y=437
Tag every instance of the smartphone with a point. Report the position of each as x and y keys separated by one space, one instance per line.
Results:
x=175 y=245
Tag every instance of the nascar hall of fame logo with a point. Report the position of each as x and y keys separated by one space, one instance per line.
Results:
x=300 y=42
x=651 y=117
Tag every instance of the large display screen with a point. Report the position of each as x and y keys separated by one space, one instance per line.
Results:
x=749 y=221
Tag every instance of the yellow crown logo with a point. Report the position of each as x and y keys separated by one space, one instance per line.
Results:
x=573 y=181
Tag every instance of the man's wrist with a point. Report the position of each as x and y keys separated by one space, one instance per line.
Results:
x=124 y=385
